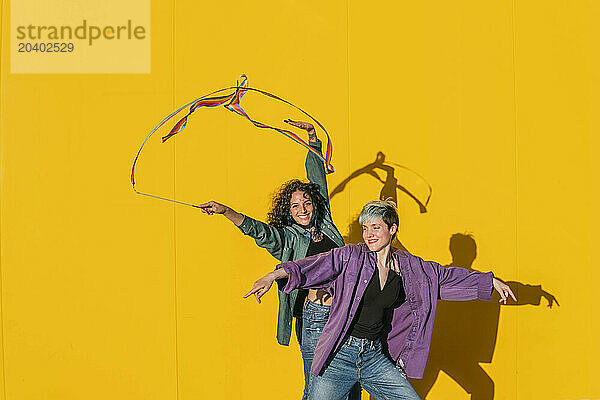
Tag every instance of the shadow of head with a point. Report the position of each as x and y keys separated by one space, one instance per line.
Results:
x=463 y=249
x=388 y=174
x=354 y=235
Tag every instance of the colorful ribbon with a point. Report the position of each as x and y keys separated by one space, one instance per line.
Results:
x=232 y=103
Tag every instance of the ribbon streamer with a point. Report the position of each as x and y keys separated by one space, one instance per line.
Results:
x=232 y=103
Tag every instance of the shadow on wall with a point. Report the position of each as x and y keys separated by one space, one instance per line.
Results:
x=464 y=333
x=390 y=182
x=389 y=190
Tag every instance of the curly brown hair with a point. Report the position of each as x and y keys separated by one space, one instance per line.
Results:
x=279 y=215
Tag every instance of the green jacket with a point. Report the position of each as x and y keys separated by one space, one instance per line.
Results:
x=291 y=243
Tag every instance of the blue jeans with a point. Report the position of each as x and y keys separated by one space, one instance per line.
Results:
x=314 y=317
x=363 y=361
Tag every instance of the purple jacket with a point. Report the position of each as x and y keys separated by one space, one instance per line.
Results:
x=345 y=273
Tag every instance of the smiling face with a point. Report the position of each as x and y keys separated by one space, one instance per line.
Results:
x=377 y=234
x=301 y=208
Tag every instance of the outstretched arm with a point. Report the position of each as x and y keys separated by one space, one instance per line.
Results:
x=265 y=236
x=212 y=207
x=314 y=272
x=457 y=283
x=503 y=290
x=263 y=285
x=531 y=295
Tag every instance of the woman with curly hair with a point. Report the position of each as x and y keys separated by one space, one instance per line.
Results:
x=299 y=225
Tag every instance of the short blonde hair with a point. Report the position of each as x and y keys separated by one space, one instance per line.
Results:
x=384 y=209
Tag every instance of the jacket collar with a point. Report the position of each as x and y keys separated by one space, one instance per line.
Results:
x=395 y=251
x=298 y=229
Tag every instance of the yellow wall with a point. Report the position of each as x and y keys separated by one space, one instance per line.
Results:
x=109 y=295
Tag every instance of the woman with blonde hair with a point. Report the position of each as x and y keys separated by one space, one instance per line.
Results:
x=384 y=301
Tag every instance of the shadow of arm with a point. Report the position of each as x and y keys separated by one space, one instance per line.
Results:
x=530 y=295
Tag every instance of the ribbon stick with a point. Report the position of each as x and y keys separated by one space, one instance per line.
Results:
x=231 y=101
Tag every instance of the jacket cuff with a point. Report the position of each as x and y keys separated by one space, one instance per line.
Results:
x=293 y=279
x=485 y=286
x=317 y=145
x=246 y=225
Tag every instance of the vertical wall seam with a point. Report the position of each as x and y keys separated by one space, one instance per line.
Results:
x=514 y=40
x=349 y=219
x=175 y=297
x=2 y=344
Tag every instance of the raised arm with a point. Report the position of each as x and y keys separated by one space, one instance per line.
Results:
x=266 y=236
x=315 y=170
x=314 y=272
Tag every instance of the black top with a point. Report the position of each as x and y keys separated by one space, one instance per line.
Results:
x=368 y=323
x=323 y=245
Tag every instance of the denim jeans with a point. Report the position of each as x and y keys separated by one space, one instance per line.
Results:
x=314 y=317
x=363 y=361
